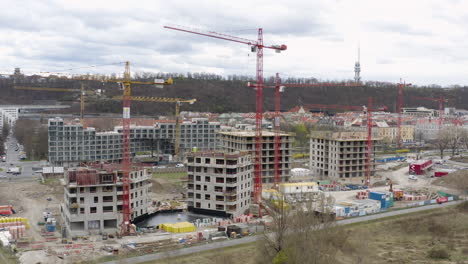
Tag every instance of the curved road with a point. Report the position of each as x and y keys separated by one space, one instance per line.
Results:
x=228 y=243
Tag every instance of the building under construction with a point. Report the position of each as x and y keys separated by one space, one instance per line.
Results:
x=70 y=142
x=341 y=155
x=93 y=198
x=245 y=141
x=219 y=183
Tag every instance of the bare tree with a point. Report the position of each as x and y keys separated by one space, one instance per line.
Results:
x=442 y=142
x=455 y=135
x=304 y=234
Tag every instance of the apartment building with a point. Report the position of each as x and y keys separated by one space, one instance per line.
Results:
x=93 y=199
x=419 y=111
x=245 y=141
x=340 y=155
x=219 y=183
x=70 y=142
x=390 y=133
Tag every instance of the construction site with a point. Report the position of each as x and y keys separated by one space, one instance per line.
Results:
x=144 y=186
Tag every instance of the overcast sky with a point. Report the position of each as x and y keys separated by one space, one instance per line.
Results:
x=424 y=42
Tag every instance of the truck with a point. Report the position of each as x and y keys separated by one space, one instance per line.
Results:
x=14 y=170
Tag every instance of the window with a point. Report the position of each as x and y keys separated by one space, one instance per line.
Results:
x=81 y=200
x=198 y=187
x=96 y=199
x=107 y=188
x=205 y=187
x=207 y=197
x=82 y=210
x=107 y=178
x=107 y=199
x=107 y=209
x=82 y=190
x=198 y=196
x=198 y=205
x=219 y=180
x=198 y=178
x=92 y=189
x=93 y=210
x=207 y=178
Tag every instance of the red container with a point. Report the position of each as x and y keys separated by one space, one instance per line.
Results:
x=440 y=173
x=442 y=200
x=419 y=166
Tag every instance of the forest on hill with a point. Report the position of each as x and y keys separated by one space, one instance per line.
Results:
x=219 y=94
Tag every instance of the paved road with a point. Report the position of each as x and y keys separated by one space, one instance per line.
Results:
x=228 y=243
x=13 y=160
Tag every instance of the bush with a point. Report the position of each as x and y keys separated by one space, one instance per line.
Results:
x=439 y=253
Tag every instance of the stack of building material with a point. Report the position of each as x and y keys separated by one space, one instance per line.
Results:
x=22 y=220
x=5 y=238
x=6 y=210
x=181 y=227
x=361 y=195
x=409 y=197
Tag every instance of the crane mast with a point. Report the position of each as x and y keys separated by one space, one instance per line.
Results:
x=257 y=46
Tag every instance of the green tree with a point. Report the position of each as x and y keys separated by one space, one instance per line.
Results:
x=301 y=137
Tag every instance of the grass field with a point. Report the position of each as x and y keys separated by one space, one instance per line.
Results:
x=436 y=236
x=170 y=176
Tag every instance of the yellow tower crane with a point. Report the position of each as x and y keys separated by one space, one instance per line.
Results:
x=178 y=102
x=82 y=92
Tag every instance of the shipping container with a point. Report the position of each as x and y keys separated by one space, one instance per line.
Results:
x=419 y=167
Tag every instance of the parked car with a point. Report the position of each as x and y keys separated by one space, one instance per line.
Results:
x=412 y=177
x=180 y=165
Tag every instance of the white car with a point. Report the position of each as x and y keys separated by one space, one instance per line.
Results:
x=412 y=177
x=180 y=165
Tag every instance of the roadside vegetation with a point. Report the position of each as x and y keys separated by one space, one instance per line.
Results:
x=434 y=236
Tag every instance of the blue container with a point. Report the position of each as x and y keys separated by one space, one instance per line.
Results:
x=377 y=196
x=50 y=228
x=346 y=210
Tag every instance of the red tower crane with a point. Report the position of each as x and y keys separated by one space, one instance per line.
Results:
x=258 y=47
x=369 y=138
x=401 y=85
x=441 y=101
x=279 y=87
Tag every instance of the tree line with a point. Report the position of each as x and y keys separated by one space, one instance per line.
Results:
x=220 y=94
x=33 y=136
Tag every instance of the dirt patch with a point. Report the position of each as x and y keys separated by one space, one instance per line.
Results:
x=30 y=200
x=460 y=159
x=456 y=180
x=169 y=186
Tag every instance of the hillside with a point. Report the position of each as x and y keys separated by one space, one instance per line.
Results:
x=218 y=95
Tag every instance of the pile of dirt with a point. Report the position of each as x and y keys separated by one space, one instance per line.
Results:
x=39 y=256
x=456 y=180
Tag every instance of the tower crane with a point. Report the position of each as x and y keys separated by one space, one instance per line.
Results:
x=401 y=85
x=82 y=92
x=255 y=46
x=127 y=82
x=369 y=138
x=177 y=101
x=441 y=101
x=279 y=88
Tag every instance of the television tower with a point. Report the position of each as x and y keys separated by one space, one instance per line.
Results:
x=357 y=67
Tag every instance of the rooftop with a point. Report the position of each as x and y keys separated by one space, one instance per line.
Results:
x=251 y=133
